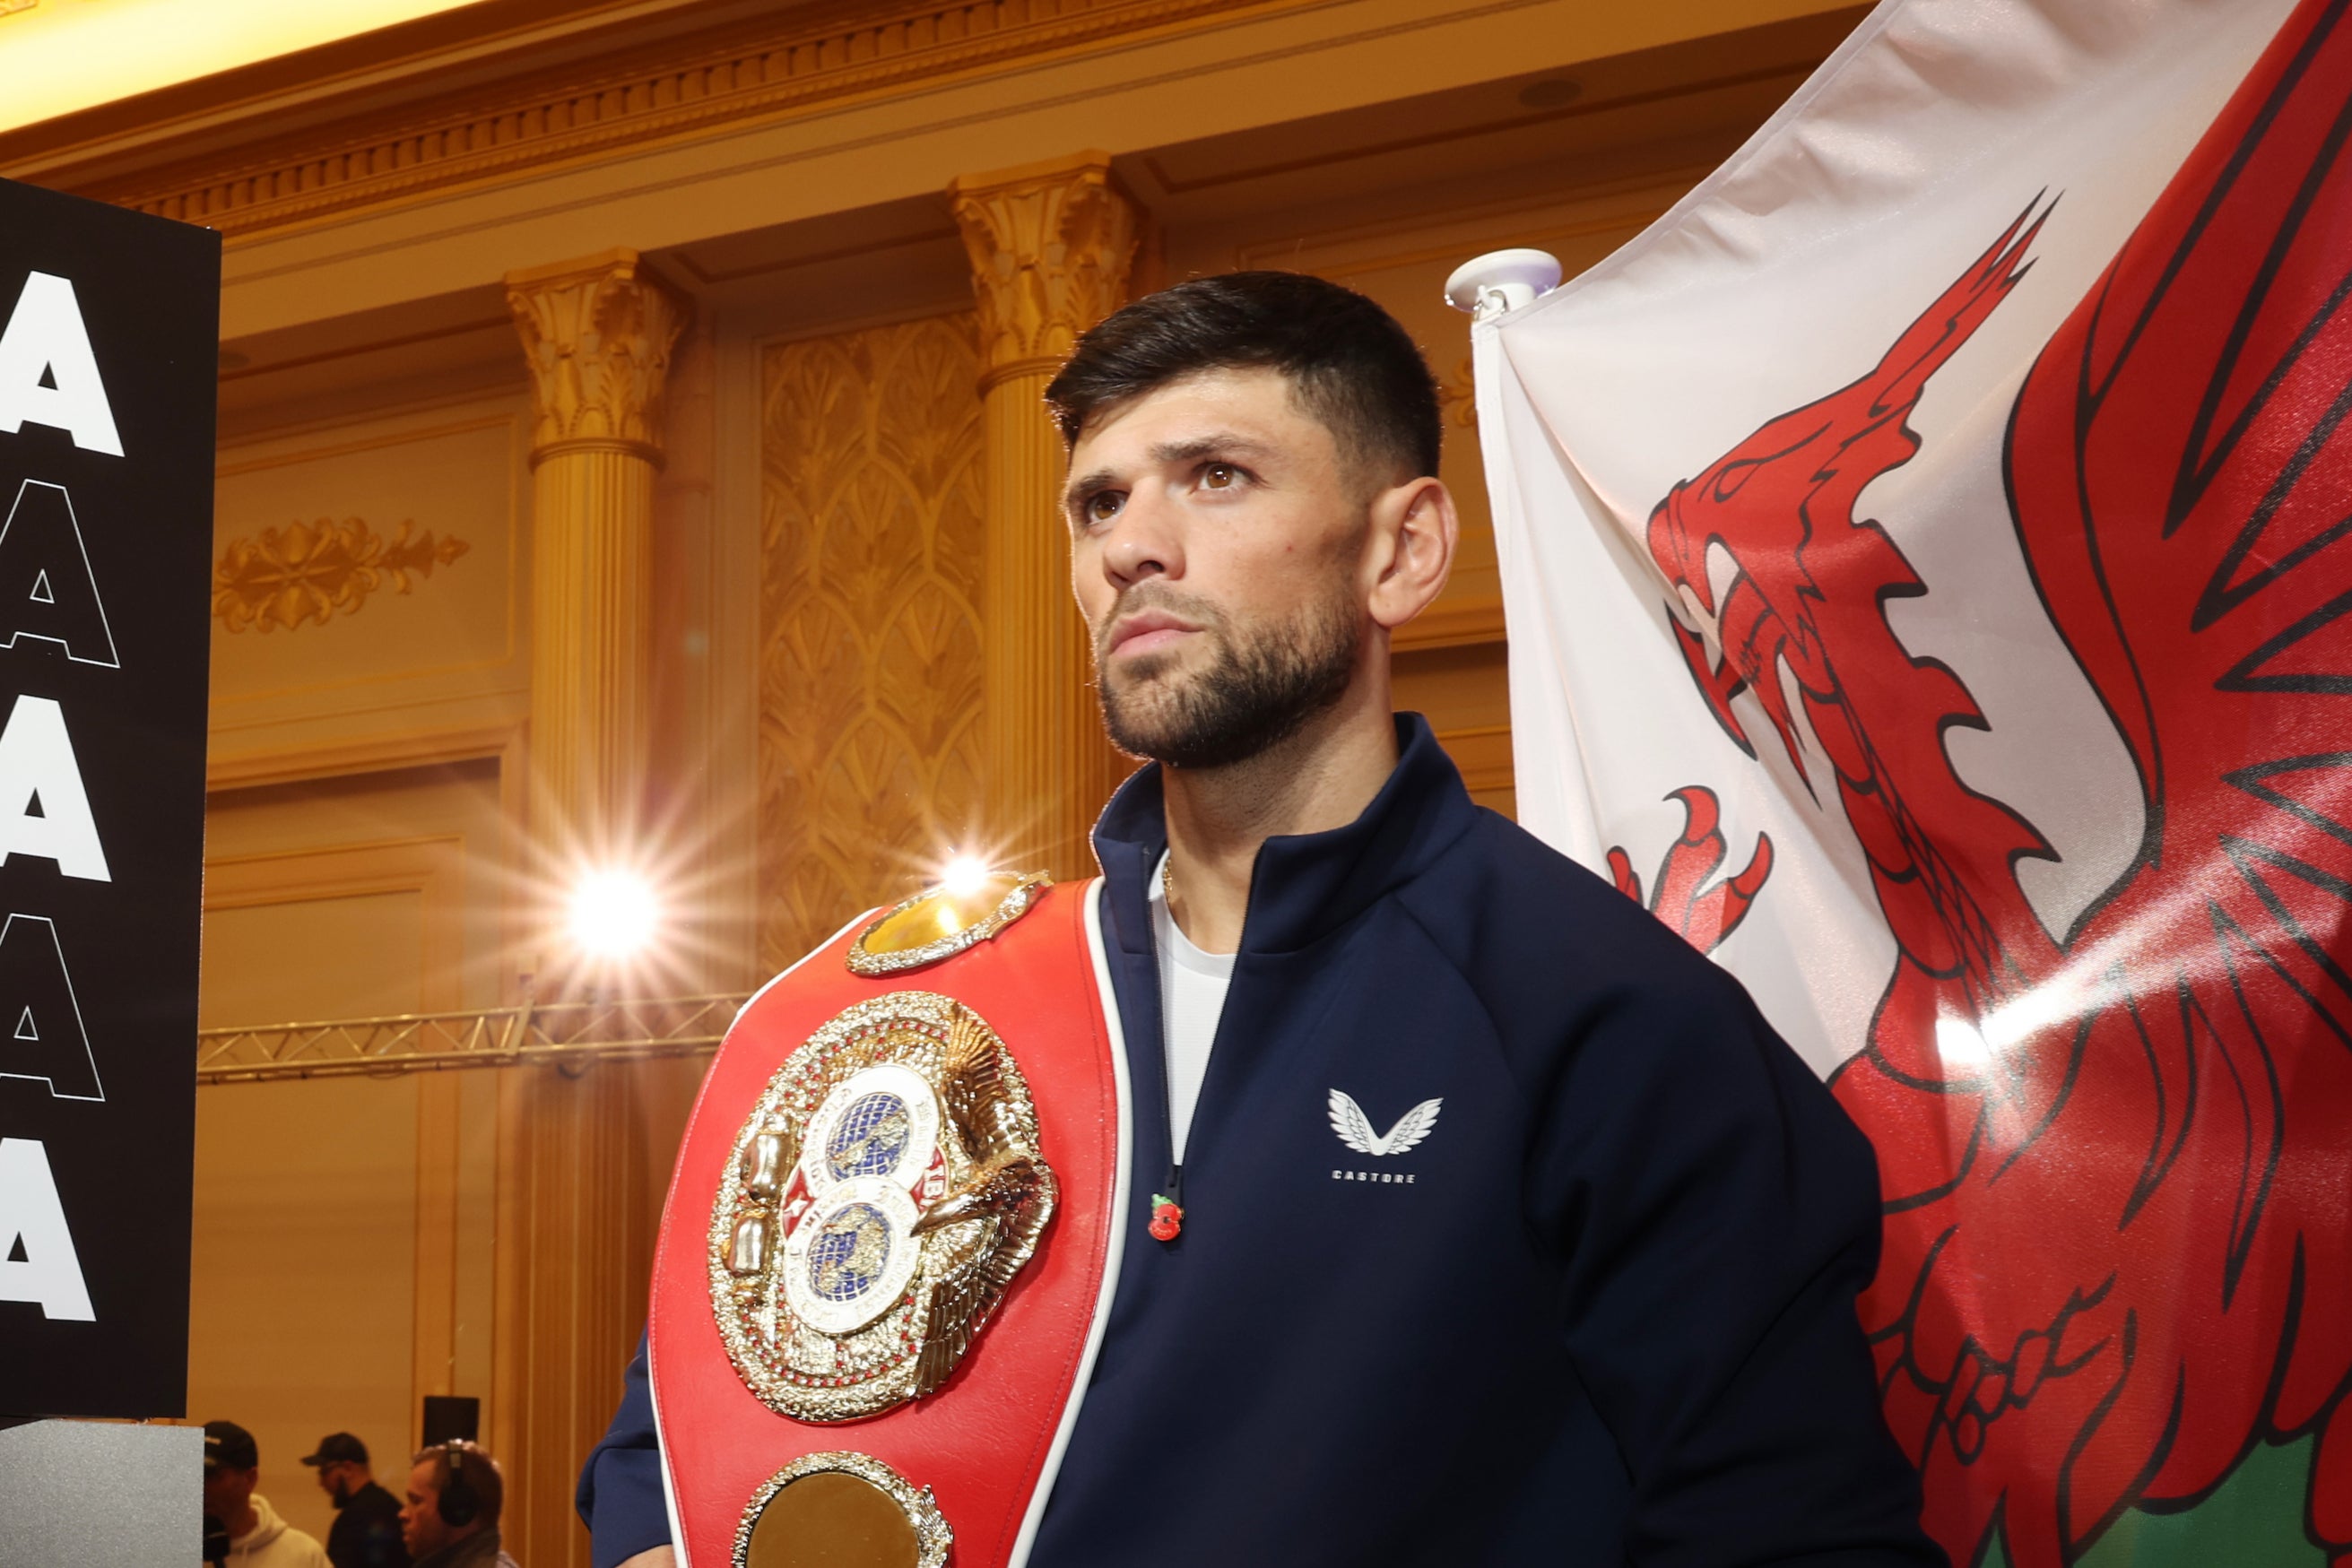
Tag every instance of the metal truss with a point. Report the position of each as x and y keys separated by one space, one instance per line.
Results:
x=565 y=1034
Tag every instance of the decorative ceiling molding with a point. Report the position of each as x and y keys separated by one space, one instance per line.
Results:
x=308 y=571
x=502 y=131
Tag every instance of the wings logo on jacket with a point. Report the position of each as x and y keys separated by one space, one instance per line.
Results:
x=1355 y=1128
x=2115 y=1253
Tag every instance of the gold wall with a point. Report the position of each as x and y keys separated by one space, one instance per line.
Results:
x=335 y=1267
x=535 y=286
x=870 y=606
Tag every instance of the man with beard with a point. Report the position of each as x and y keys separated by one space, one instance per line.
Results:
x=1478 y=1219
x=366 y=1532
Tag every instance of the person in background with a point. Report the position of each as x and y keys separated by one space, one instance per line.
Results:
x=455 y=1495
x=257 y=1537
x=366 y=1532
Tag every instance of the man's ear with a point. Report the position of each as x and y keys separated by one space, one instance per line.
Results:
x=1414 y=530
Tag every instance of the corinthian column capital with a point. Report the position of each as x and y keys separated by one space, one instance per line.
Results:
x=597 y=334
x=1050 y=246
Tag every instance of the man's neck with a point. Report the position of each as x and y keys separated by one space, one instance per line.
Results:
x=243 y=1524
x=1321 y=779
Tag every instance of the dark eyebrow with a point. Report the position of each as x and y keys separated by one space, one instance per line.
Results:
x=1085 y=484
x=1201 y=446
x=1168 y=453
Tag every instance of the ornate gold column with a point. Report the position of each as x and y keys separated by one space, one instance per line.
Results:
x=1050 y=247
x=578 y=1206
x=597 y=334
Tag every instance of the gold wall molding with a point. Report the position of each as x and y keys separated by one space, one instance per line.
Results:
x=457 y=657
x=1627 y=204
x=581 y=1160
x=307 y=572
x=597 y=336
x=1451 y=624
x=435 y=869
x=1051 y=246
x=614 y=104
x=1794 y=72
x=283 y=450
x=428 y=748
x=1482 y=754
x=583 y=1165
x=870 y=624
x=279 y=452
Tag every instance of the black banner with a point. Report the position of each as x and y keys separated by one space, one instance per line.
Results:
x=109 y=355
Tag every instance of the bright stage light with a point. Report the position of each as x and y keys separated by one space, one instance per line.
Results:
x=966 y=876
x=613 y=913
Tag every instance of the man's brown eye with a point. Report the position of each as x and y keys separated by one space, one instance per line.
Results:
x=1103 y=506
x=1218 y=476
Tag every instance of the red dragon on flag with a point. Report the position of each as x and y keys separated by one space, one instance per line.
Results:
x=2116 y=1156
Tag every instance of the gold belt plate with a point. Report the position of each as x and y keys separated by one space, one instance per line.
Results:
x=882 y=1194
x=841 y=1510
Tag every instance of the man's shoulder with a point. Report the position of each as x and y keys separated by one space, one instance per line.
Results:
x=371 y=1501
x=1559 y=960
x=1507 y=903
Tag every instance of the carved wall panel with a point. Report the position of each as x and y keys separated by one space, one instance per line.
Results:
x=370 y=589
x=871 y=542
x=308 y=571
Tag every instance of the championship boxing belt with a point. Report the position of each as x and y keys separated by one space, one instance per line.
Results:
x=891 y=1240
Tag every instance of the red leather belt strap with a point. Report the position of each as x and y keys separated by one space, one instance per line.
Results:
x=982 y=1441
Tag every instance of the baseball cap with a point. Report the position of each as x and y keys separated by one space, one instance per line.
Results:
x=336 y=1448
x=230 y=1446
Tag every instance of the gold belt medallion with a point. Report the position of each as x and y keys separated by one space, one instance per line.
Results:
x=841 y=1510
x=884 y=1192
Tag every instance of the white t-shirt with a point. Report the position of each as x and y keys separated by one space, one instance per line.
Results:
x=1192 y=997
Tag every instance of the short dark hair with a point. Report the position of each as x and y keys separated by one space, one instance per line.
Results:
x=1350 y=364
x=480 y=1471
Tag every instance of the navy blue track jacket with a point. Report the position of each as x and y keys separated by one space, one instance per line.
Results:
x=1602 y=1313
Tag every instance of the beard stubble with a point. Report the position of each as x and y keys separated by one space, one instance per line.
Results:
x=1262 y=687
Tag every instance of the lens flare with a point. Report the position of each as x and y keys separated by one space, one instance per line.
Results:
x=1962 y=1045
x=965 y=876
x=613 y=913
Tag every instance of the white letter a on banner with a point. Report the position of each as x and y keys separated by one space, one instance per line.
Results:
x=47 y=374
x=37 y=762
x=33 y=1222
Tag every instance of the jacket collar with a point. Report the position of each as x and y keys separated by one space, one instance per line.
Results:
x=1304 y=885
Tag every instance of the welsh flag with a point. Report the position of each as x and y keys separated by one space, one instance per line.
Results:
x=1928 y=554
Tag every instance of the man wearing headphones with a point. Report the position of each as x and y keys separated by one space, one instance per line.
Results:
x=455 y=1494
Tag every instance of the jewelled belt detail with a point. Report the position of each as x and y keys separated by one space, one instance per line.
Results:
x=884 y=1192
